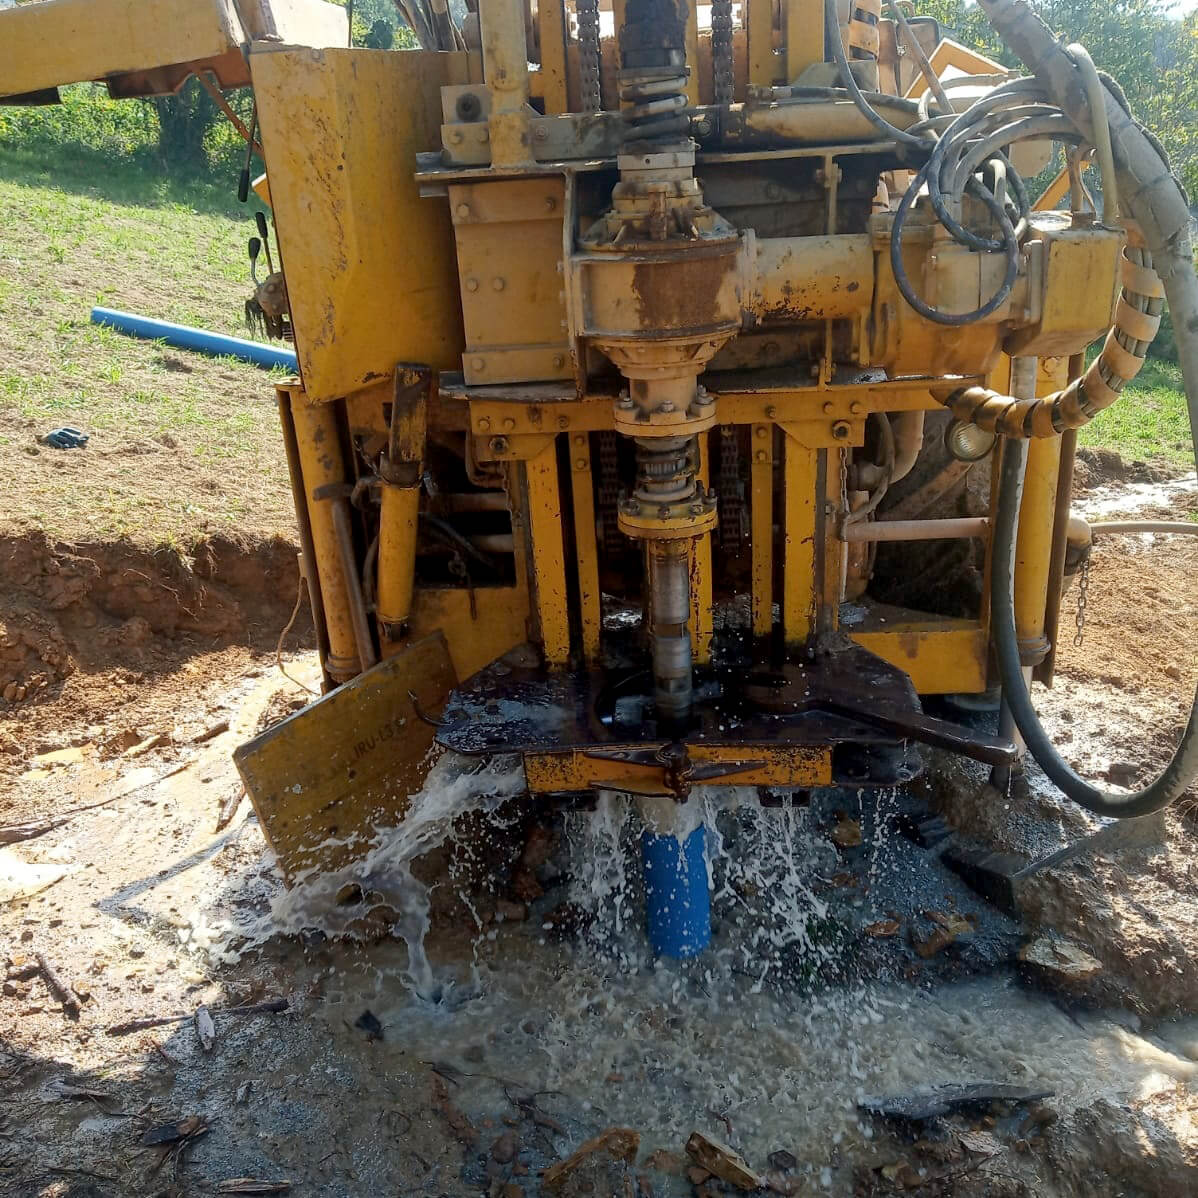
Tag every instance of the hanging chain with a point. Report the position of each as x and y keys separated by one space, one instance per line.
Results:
x=588 y=54
x=1083 y=594
x=721 y=51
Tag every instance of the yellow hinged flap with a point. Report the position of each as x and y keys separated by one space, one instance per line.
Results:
x=369 y=262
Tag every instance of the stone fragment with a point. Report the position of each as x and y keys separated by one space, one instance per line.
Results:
x=720 y=1160
x=1060 y=962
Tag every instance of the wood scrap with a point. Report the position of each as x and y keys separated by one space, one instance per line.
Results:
x=58 y=988
x=211 y=733
x=616 y=1144
x=66 y=1090
x=16 y=833
x=228 y=809
x=252 y=1185
x=272 y=1006
x=189 y=1127
x=721 y=1161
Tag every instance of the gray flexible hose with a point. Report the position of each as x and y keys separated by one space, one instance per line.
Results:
x=1182 y=768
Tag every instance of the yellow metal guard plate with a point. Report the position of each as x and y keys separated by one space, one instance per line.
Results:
x=325 y=779
x=370 y=264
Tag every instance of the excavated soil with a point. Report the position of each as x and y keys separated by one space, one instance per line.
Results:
x=142 y=671
x=101 y=635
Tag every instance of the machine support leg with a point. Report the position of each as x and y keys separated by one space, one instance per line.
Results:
x=1032 y=553
x=321 y=463
x=799 y=581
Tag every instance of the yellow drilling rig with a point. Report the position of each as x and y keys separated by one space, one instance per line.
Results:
x=684 y=392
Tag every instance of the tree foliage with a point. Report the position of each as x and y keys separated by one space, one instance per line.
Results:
x=1152 y=53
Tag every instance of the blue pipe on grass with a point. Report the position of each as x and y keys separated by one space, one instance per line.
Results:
x=677 y=899
x=182 y=337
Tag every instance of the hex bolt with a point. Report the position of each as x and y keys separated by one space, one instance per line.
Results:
x=509 y=424
x=579 y=439
x=472 y=284
x=484 y=424
x=580 y=464
x=829 y=408
x=499 y=445
x=479 y=363
x=559 y=361
x=762 y=455
x=856 y=407
x=563 y=422
x=771 y=413
x=762 y=434
x=550 y=203
x=841 y=430
x=663 y=512
x=463 y=210
x=498 y=282
x=666 y=407
x=541 y=133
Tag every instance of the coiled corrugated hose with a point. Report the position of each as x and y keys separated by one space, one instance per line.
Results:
x=1133 y=166
x=1154 y=198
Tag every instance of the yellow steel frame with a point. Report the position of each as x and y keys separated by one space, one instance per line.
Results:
x=547 y=550
x=369 y=263
x=551 y=19
x=804 y=36
x=762 y=765
x=761 y=504
x=941 y=655
x=800 y=465
x=759 y=25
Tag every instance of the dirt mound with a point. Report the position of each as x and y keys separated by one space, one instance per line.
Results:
x=1096 y=467
x=95 y=607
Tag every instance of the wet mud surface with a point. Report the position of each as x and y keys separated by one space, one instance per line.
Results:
x=849 y=962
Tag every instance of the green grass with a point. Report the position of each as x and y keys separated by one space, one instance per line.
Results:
x=1150 y=422
x=182 y=445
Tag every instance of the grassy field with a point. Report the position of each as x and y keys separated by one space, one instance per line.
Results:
x=182 y=445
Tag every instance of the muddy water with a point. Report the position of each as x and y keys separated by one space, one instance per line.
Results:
x=768 y=1039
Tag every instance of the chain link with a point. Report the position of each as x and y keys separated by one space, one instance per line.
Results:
x=1083 y=594
x=721 y=51
x=588 y=54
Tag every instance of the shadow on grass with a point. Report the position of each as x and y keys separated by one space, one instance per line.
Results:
x=138 y=181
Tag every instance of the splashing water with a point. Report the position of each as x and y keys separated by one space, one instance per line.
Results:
x=454 y=787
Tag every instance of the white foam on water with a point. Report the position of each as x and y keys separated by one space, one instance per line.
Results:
x=760 y=1029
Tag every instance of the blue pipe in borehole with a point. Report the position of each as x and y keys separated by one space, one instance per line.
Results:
x=182 y=336
x=677 y=896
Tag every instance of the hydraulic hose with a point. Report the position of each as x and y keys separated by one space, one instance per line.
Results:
x=1182 y=768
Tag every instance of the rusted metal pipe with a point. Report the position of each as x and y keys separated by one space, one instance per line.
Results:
x=917 y=530
x=307 y=548
x=812 y=278
x=353 y=582
x=1060 y=542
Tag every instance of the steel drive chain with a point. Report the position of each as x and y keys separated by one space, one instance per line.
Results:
x=588 y=55
x=721 y=51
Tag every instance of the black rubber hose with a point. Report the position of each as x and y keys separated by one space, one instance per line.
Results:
x=900 y=271
x=1182 y=768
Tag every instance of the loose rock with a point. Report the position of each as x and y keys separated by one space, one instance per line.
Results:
x=720 y=1160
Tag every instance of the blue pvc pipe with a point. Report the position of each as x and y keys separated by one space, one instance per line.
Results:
x=183 y=337
x=677 y=900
